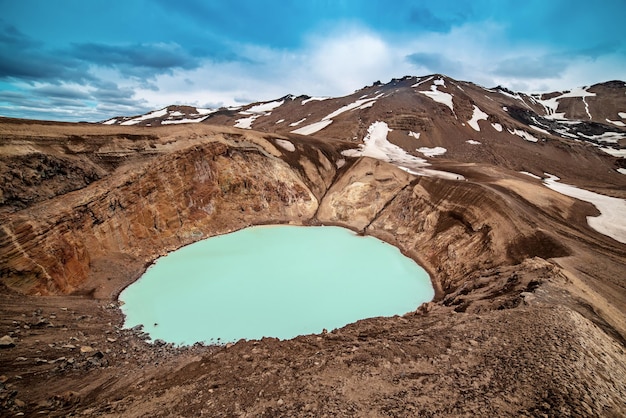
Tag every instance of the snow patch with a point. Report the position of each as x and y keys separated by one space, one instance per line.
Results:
x=265 y=107
x=415 y=135
x=621 y=115
x=612 y=219
x=531 y=175
x=621 y=170
x=376 y=145
x=184 y=120
x=313 y=128
x=298 y=122
x=536 y=128
x=310 y=99
x=328 y=119
x=176 y=113
x=523 y=134
x=472 y=142
x=432 y=152
x=439 y=96
x=476 y=116
x=340 y=162
x=615 y=152
x=607 y=137
x=110 y=122
x=151 y=115
x=551 y=105
x=354 y=105
x=497 y=127
x=439 y=82
x=205 y=111
x=616 y=122
x=285 y=144
x=246 y=123
x=422 y=82
x=280 y=121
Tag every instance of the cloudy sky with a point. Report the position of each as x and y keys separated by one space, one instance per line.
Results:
x=93 y=59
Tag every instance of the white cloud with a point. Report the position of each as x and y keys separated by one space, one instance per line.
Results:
x=338 y=62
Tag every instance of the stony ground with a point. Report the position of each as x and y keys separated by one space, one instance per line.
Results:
x=528 y=319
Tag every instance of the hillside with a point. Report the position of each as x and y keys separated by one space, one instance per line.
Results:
x=513 y=203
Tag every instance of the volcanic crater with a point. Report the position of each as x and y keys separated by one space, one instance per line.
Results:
x=528 y=316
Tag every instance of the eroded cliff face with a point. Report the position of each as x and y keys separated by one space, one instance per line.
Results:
x=475 y=237
x=145 y=211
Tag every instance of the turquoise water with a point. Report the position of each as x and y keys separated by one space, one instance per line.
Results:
x=273 y=281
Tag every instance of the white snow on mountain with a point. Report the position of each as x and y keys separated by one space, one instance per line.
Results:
x=621 y=115
x=607 y=137
x=538 y=129
x=422 y=81
x=246 y=123
x=439 y=96
x=616 y=122
x=298 y=122
x=264 y=107
x=358 y=104
x=184 y=120
x=361 y=103
x=110 y=122
x=313 y=127
x=614 y=152
x=310 y=99
x=497 y=127
x=151 y=115
x=612 y=218
x=432 y=152
x=476 y=116
x=472 y=142
x=376 y=145
x=523 y=134
x=415 y=135
x=551 y=105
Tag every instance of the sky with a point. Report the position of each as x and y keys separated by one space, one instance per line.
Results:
x=90 y=60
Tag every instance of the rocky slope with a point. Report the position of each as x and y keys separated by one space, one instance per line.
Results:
x=528 y=317
x=437 y=111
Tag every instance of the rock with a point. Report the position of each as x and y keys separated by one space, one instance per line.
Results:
x=473 y=343
x=7 y=342
x=111 y=340
x=159 y=342
x=19 y=403
x=86 y=349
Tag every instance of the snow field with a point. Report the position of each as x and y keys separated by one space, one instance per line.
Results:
x=376 y=145
x=523 y=134
x=361 y=103
x=476 y=116
x=151 y=115
x=612 y=219
x=432 y=152
x=439 y=96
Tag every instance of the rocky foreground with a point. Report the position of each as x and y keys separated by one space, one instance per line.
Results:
x=528 y=318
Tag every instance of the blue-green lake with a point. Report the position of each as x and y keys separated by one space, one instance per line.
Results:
x=273 y=281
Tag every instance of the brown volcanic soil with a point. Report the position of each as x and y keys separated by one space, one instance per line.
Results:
x=528 y=318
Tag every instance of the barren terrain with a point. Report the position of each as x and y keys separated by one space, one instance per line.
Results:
x=528 y=318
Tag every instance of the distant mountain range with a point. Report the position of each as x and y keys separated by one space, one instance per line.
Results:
x=431 y=112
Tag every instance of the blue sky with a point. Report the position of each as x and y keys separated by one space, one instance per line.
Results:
x=93 y=59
